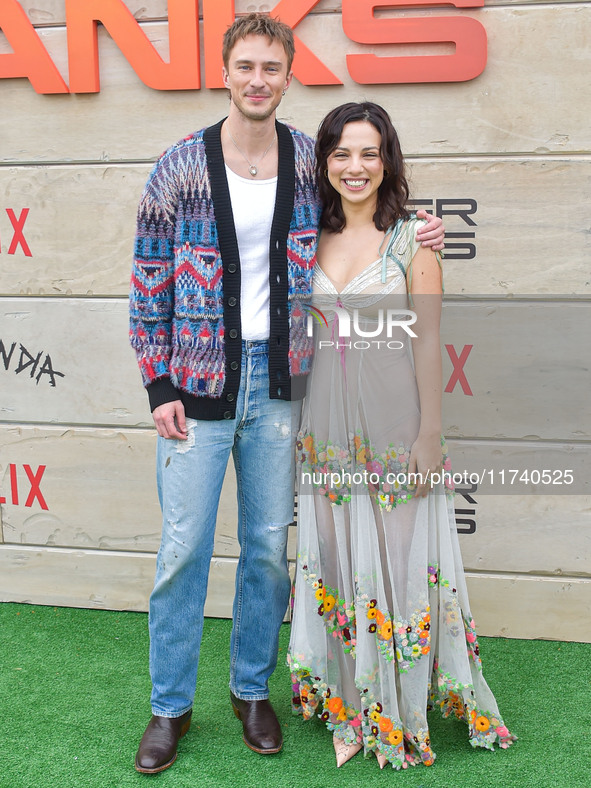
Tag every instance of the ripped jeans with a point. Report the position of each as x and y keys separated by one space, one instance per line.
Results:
x=190 y=475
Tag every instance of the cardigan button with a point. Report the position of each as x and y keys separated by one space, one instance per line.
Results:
x=231 y=301
x=228 y=414
x=230 y=397
x=233 y=333
x=234 y=365
x=232 y=268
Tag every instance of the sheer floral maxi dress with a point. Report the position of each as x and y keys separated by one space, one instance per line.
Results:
x=381 y=628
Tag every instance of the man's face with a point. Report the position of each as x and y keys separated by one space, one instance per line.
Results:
x=256 y=76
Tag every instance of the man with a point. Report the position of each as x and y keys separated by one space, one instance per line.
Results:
x=225 y=247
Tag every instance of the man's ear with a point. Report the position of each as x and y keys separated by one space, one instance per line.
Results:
x=225 y=77
x=288 y=80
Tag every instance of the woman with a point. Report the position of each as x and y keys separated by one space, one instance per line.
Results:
x=382 y=628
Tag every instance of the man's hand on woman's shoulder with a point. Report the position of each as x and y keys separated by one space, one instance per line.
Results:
x=433 y=233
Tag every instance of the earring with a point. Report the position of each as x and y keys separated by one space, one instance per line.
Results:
x=326 y=173
x=386 y=173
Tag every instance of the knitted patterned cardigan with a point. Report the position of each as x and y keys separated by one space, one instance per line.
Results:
x=185 y=284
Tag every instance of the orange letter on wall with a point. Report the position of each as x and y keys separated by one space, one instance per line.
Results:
x=307 y=68
x=468 y=34
x=181 y=73
x=29 y=58
x=218 y=15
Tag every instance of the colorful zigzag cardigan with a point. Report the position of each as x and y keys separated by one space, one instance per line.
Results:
x=185 y=283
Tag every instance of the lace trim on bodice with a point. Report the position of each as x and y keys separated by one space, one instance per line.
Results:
x=383 y=276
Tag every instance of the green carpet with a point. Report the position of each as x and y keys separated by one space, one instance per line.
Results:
x=74 y=701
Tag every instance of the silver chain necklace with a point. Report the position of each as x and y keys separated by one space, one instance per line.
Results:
x=252 y=168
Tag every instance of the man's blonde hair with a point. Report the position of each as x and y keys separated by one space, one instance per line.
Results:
x=258 y=24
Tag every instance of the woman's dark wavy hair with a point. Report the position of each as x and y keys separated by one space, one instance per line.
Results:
x=393 y=191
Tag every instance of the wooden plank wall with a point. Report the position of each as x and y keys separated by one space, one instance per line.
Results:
x=506 y=156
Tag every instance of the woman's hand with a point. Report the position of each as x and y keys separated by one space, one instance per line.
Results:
x=426 y=458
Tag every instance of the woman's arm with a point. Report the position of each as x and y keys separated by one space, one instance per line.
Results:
x=426 y=289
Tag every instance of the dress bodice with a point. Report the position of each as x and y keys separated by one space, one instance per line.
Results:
x=385 y=276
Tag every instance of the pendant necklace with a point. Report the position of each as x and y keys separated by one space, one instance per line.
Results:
x=252 y=168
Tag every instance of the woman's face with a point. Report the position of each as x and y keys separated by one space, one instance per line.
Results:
x=355 y=168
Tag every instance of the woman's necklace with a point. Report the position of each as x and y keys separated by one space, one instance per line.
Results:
x=252 y=168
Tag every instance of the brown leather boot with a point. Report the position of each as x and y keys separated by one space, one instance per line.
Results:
x=260 y=726
x=157 y=750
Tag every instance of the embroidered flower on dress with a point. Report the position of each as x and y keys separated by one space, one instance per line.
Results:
x=338 y=616
x=433 y=575
x=471 y=639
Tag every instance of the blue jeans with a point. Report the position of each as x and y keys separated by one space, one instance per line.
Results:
x=190 y=475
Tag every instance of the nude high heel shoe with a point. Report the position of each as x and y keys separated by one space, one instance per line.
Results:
x=382 y=760
x=344 y=752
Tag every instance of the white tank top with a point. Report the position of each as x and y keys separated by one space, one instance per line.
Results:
x=253 y=205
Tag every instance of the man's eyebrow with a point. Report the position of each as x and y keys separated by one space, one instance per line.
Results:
x=245 y=61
